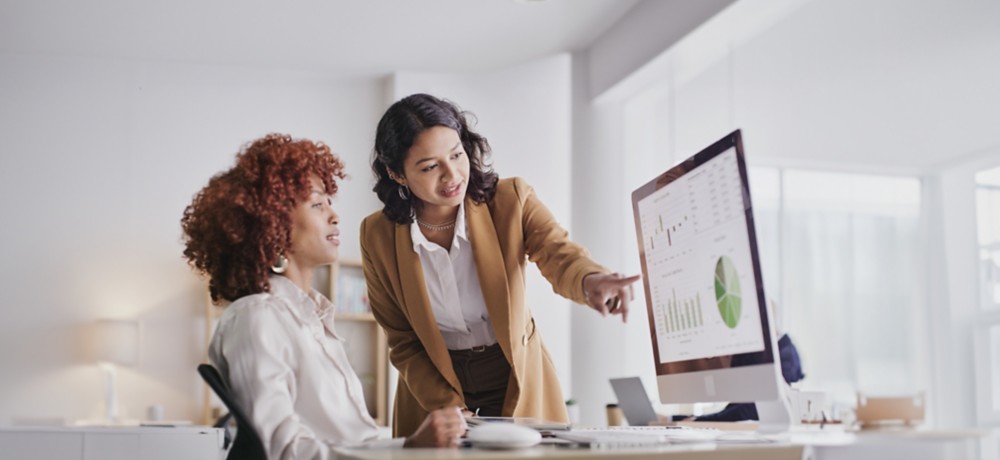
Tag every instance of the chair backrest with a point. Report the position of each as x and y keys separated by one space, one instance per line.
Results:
x=247 y=445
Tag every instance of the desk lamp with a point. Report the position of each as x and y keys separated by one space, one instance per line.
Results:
x=116 y=342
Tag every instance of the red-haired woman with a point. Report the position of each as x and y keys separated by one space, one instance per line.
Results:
x=258 y=231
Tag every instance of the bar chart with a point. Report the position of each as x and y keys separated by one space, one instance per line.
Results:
x=683 y=314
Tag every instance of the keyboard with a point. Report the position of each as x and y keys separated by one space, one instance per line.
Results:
x=635 y=436
x=642 y=429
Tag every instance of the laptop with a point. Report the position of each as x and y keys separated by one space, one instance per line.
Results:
x=634 y=402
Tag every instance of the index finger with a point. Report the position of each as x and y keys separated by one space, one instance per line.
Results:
x=626 y=281
x=626 y=295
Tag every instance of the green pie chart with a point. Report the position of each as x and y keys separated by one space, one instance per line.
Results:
x=727 y=292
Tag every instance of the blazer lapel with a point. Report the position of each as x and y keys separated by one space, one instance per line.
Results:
x=491 y=270
x=417 y=305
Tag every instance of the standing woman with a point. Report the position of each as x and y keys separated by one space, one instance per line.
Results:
x=445 y=260
x=258 y=231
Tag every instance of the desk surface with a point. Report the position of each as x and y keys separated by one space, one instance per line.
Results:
x=673 y=452
x=826 y=445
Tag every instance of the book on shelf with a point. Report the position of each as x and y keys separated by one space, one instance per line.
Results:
x=352 y=294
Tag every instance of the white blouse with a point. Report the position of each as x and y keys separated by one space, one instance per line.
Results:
x=452 y=283
x=288 y=370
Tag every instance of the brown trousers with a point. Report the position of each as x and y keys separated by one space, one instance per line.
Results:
x=483 y=375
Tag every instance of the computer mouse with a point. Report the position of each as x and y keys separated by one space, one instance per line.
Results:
x=502 y=436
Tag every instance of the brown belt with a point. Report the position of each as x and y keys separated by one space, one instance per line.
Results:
x=474 y=350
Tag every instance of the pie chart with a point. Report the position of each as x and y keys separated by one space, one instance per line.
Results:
x=727 y=292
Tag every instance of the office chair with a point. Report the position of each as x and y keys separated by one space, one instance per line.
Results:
x=247 y=445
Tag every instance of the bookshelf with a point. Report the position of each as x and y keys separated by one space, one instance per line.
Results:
x=366 y=344
x=364 y=341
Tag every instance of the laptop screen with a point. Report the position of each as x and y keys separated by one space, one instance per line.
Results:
x=633 y=401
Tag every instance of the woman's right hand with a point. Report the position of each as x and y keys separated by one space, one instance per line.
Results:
x=441 y=428
x=609 y=292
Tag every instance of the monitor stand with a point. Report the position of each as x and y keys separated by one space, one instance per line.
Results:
x=776 y=414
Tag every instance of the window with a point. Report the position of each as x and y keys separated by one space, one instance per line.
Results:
x=841 y=258
x=987 y=340
x=995 y=370
x=988 y=218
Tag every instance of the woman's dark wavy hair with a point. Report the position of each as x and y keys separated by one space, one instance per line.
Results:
x=237 y=225
x=400 y=126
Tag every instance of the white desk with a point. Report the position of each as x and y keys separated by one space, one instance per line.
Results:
x=911 y=445
x=908 y=444
x=668 y=452
x=111 y=443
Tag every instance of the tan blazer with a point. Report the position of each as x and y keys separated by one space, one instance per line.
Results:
x=506 y=232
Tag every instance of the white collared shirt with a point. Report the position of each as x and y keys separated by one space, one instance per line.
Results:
x=289 y=372
x=452 y=283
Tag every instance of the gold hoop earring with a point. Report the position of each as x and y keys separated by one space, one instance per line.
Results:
x=281 y=266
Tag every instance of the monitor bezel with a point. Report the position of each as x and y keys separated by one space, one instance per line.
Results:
x=692 y=366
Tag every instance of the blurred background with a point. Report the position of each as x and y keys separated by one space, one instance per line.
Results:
x=871 y=129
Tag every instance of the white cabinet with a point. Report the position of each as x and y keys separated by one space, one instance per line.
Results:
x=111 y=443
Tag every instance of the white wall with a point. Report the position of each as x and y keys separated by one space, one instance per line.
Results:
x=905 y=91
x=648 y=29
x=524 y=112
x=599 y=344
x=98 y=159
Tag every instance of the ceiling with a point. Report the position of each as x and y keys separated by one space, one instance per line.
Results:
x=363 y=36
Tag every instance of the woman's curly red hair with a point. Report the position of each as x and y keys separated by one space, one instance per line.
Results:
x=240 y=222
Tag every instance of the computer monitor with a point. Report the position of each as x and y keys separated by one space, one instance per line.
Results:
x=711 y=330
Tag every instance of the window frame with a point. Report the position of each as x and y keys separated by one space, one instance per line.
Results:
x=987 y=322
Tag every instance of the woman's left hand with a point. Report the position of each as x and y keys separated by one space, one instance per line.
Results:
x=441 y=428
x=609 y=293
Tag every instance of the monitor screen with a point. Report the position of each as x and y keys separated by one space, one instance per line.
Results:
x=701 y=274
